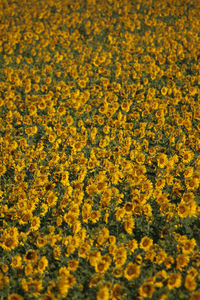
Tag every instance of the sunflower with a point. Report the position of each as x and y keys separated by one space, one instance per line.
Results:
x=140 y=158
x=132 y=271
x=116 y=292
x=146 y=290
x=192 y=183
x=70 y=218
x=41 y=242
x=42 y=264
x=193 y=209
x=28 y=270
x=51 y=199
x=195 y=296
x=129 y=224
x=16 y=261
x=73 y=265
x=69 y=279
x=31 y=255
x=15 y=296
x=35 y=285
x=128 y=208
x=188 y=246
x=187 y=156
x=35 y=223
x=161 y=256
x=147 y=186
x=147 y=210
x=103 y=264
x=2 y=169
x=132 y=245
x=94 y=216
x=164 y=90
x=56 y=252
x=146 y=243
x=188 y=172
x=90 y=189
x=174 y=281
x=190 y=283
x=119 y=214
x=160 y=183
x=9 y=243
x=187 y=197
x=48 y=297
x=183 y=210
x=103 y=293
x=101 y=186
x=162 y=160
x=117 y=272
x=63 y=286
x=182 y=261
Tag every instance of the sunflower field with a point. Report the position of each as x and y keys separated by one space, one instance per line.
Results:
x=99 y=149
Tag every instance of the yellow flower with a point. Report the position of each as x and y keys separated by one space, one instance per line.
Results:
x=193 y=209
x=63 y=286
x=188 y=246
x=42 y=264
x=116 y=292
x=117 y=272
x=146 y=243
x=129 y=224
x=16 y=261
x=102 y=265
x=15 y=296
x=94 y=216
x=183 y=210
x=9 y=243
x=161 y=256
x=140 y=158
x=174 y=281
x=43 y=209
x=76 y=227
x=147 y=210
x=70 y=218
x=195 y=296
x=51 y=199
x=188 y=172
x=52 y=137
x=35 y=223
x=192 y=183
x=190 y=283
x=65 y=178
x=182 y=261
x=119 y=214
x=19 y=177
x=2 y=169
x=132 y=245
x=28 y=270
x=162 y=160
x=187 y=197
x=164 y=90
x=160 y=183
x=187 y=156
x=146 y=290
x=120 y=256
x=73 y=265
x=31 y=255
x=147 y=185
x=131 y=271
x=56 y=252
x=103 y=293
x=69 y=120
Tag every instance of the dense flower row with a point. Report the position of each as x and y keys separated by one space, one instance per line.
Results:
x=99 y=149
